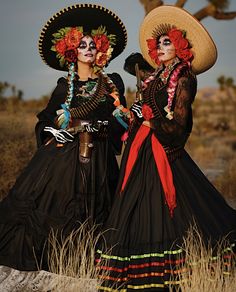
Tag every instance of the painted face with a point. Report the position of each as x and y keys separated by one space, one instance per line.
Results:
x=165 y=50
x=87 y=50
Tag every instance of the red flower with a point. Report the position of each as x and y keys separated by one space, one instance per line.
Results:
x=60 y=47
x=101 y=59
x=181 y=44
x=152 y=52
x=175 y=34
x=73 y=37
x=71 y=55
x=147 y=112
x=185 y=54
x=102 y=43
x=152 y=44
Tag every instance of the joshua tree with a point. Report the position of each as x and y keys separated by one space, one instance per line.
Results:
x=215 y=8
x=227 y=85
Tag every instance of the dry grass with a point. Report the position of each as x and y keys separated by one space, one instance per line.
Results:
x=205 y=268
x=17 y=146
x=73 y=260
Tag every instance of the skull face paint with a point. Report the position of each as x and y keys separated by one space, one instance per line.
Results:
x=165 y=50
x=87 y=50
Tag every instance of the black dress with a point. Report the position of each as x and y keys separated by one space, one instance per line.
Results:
x=56 y=190
x=143 y=237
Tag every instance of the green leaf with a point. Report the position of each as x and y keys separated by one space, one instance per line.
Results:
x=80 y=28
x=62 y=61
x=57 y=35
x=53 y=49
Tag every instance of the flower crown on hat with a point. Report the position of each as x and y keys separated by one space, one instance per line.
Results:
x=177 y=37
x=66 y=41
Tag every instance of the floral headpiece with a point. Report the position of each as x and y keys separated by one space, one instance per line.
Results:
x=181 y=44
x=67 y=40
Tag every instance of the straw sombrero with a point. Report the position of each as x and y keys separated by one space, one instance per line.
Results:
x=89 y=16
x=203 y=47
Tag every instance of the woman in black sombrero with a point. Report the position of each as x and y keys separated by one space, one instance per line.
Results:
x=72 y=177
x=161 y=191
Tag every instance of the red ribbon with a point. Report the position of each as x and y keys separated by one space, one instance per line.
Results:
x=162 y=164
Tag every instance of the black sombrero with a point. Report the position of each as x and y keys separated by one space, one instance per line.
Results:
x=89 y=16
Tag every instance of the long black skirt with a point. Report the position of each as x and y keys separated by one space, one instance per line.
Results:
x=143 y=240
x=55 y=191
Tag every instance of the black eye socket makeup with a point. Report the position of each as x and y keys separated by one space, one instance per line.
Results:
x=165 y=42
x=84 y=45
x=92 y=45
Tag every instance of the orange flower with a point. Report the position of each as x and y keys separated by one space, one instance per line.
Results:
x=60 y=47
x=73 y=37
x=102 y=42
x=101 y=59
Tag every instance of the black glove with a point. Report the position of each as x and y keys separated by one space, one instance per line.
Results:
x=137 y=58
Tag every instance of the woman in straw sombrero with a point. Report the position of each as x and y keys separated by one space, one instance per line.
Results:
x=161 y=191
x=72 y=177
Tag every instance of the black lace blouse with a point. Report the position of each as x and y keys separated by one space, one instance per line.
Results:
x=172 y=133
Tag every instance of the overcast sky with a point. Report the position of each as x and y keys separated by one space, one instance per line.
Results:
x=21 y=22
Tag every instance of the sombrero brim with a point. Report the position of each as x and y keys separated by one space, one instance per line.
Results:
x=203 y=47
x=89 y=16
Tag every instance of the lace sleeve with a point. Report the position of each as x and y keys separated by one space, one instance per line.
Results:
x=169 y=130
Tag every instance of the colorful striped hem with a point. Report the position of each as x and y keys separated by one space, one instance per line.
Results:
x=139 y=287
x=143 y=256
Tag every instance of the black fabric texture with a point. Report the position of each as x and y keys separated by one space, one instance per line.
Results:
x=56 y=190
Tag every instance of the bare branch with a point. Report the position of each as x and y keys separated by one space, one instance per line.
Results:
x=180 y=3
x=208 y=10
x=150 y=4
x=225 y=15
x=211 y=10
